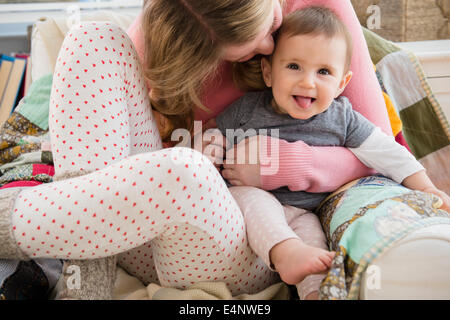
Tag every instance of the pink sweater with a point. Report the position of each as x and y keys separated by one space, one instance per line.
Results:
x=301 y=167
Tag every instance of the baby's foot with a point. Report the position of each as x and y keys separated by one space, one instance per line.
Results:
x=294 y=260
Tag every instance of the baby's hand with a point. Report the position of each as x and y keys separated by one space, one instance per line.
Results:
x=444 y=197
x=213 y=143
x=213 y=146
x=164 y=125
x=242 y=166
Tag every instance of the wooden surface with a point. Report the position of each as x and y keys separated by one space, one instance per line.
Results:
x=408 y=20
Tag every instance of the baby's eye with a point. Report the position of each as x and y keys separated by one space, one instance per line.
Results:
x=324 y=71
x=293 y=66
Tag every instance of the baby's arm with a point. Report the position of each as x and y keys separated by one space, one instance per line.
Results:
x=382 y=153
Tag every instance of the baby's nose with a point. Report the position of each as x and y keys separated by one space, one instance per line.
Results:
x=307 y=81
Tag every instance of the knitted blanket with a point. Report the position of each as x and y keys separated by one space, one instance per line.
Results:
x=130 y=288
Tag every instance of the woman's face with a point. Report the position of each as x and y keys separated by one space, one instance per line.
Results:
x=263 y=42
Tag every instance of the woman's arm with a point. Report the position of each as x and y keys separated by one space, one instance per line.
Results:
x=301 y=167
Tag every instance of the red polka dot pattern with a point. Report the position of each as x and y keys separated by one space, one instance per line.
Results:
x=99 y=101
x=168 y=212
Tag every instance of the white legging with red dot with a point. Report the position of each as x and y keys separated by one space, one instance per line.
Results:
x=167 y=212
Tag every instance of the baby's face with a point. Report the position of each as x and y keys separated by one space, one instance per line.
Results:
x=306 y=73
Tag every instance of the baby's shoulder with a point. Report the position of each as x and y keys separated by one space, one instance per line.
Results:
x=256 y=97
x=340 y=106
x=342 y=102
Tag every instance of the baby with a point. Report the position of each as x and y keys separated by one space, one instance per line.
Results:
x=307 y=73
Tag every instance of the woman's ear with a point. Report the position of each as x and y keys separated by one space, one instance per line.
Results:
x=266 y=71
x=344 y=82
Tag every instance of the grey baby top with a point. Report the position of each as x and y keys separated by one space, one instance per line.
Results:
x=339 y=125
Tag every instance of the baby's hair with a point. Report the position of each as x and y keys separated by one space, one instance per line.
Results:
x=317 y=21
x=312 y=20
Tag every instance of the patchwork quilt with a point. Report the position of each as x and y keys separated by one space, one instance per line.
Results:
x=424 y=126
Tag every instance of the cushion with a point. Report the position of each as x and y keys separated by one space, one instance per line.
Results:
x=416 y=268
x=390 y=242
x=48 y=35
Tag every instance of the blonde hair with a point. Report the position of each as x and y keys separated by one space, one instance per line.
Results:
x=184 y=40
x=247 y=75
x=311 y=20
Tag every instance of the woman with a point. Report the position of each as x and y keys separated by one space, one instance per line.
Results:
x=172 y=221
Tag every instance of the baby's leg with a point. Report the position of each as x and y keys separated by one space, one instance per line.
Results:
x=264 y=220
x=274 y=241
x=296 y=259
x=307 y=226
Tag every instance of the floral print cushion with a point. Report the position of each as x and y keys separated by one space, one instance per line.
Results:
x=364 y=221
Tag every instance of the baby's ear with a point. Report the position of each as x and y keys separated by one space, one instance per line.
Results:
x=344 y=82
x=266 y=71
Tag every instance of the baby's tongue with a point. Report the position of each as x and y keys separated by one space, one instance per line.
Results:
x=304 y=102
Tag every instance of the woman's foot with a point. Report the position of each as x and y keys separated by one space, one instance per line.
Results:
x=294 y=260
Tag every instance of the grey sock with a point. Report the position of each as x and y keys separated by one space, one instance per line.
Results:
x=87 y=279
x=8 y=245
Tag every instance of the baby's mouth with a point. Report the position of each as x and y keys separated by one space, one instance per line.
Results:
x=304 y=102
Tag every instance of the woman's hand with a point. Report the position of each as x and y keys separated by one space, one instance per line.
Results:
x=242 y=164
x=213 y=143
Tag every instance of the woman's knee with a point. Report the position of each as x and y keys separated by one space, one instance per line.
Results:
x=192 y=165
x=97 y=32
x=177 y=166
x=93 y=45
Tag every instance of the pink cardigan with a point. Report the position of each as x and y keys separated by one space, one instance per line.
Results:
x=301 y=167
